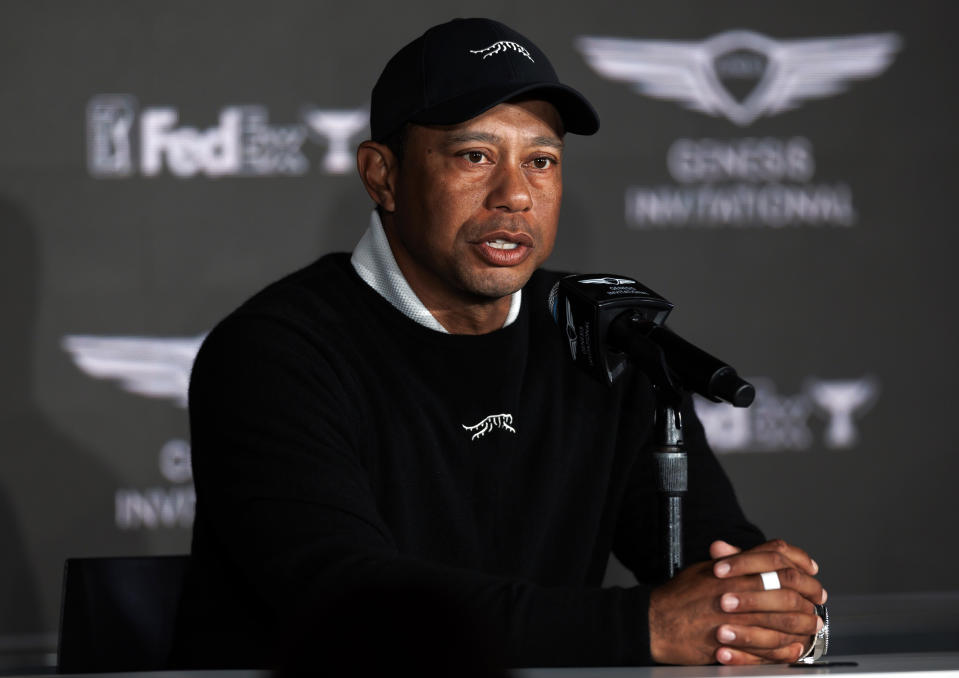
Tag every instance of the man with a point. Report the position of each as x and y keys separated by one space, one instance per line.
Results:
x=408 y=418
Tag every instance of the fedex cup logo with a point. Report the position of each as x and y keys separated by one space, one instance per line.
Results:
x=186 y=150
x=779 y=422
x=123 y=140
x=336 y=128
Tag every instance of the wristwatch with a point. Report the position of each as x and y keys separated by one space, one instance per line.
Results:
x=820 y=641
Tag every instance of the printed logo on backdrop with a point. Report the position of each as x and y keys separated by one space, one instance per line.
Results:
x=780 y=423
x=152 y=508
x=155 y=367
x=741 y=76
x=159 y=367
x=125 y=141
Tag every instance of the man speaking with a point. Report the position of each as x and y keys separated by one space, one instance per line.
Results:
x=408 y=418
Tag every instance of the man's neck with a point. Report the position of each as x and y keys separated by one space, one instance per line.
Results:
x=374 y=261
x=478 y=318
x=457 y=311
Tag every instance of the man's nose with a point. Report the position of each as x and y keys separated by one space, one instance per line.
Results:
x=510 y=190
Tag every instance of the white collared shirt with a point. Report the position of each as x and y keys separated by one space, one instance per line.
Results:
x=373 y=261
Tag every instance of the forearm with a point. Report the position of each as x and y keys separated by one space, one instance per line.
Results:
x=301 y=575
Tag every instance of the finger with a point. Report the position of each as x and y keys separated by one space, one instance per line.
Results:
x=796 y=555
x=733 y=657
x=778 y=600
x=782 y=655
x=788 y=556
x=751 y=638
x=791 y=580
x=756 y=562
x=721 y=549
x=793 y=623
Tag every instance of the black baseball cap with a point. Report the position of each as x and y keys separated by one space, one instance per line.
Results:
x=457 y=70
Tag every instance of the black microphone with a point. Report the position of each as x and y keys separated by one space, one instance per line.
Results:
x=610 y=320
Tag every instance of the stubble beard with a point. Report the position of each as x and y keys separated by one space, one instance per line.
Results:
x=493 y=285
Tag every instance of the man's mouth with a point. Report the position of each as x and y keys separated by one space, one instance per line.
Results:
x=504 y=248
x=504 y=239
x=501 y=244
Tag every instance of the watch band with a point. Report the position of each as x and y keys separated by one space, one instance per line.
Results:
x=820 y=641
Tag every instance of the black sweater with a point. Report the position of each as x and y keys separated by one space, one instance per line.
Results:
x=337 y=445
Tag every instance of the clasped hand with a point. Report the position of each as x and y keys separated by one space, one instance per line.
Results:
x=718 y=610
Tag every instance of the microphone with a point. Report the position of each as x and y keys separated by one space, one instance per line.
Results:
x=611 y=320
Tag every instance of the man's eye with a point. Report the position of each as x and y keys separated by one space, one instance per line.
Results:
x=542 y=163
x=475 y=156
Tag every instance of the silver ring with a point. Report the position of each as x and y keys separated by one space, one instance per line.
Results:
x=770 y=581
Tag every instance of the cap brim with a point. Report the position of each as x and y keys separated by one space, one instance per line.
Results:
x=577 y=114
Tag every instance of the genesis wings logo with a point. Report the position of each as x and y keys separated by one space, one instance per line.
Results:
x=156 y=367
x=740 y=74
x=571 y=330
x=608 y=281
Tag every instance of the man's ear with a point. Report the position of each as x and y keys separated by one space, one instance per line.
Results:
x=377 y=166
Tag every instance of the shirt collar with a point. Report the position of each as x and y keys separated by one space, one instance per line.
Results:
x=374 y=262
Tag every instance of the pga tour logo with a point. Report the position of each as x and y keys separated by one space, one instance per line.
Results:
x=123 y=141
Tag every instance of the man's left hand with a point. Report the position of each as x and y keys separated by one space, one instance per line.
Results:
x=753 y=642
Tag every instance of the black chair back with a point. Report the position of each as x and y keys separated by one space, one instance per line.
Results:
x=118 y=614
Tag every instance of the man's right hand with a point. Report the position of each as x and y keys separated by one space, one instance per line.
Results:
x=692 y=616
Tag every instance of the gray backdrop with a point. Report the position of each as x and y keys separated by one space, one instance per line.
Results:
x=783 y=172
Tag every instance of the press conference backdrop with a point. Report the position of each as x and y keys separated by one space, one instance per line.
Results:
x=785 y=173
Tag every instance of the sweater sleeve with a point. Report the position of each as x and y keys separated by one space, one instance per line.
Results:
x=286 y=502
x=711 y=510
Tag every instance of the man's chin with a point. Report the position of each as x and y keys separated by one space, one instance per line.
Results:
x=500 y=282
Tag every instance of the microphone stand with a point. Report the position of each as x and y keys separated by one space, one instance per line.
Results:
x=611 y=321
x=672 y=481
x=668 y=447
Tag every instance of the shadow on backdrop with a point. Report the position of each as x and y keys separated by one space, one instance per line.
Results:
x=56 y=499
